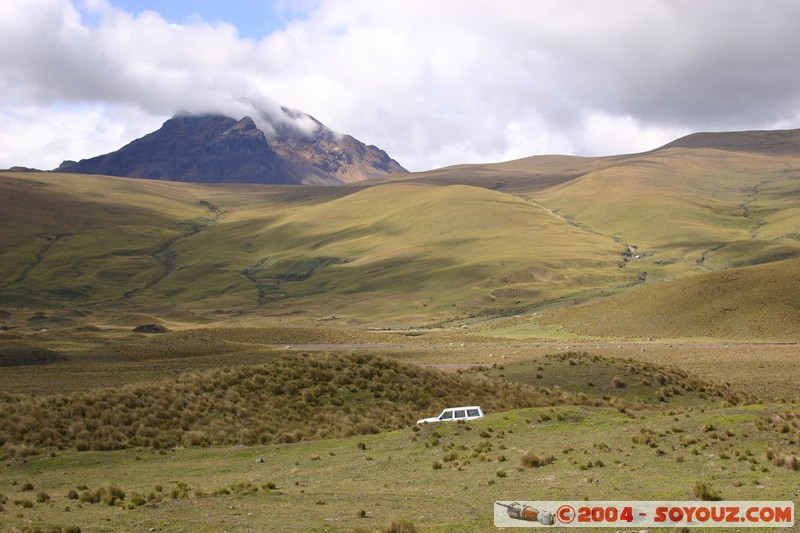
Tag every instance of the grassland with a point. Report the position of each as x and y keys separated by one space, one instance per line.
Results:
x=629 y=323
x=433 y=248
x=721 y=305
x=614 y=442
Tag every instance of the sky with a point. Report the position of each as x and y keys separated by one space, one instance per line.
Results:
x=434 y=83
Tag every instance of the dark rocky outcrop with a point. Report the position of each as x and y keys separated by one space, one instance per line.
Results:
x=150 y=328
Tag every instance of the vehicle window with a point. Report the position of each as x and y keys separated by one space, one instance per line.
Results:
x=473 y=412
x=447 y=415
x=460 y=414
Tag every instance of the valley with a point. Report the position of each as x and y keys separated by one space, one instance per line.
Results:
x=628 y=323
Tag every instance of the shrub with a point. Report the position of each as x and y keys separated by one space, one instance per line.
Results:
x=534 y=460
x=705 y=492
x=138 y=499
x=449 y=457
x=403 y=526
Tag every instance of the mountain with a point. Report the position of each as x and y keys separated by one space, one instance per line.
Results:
x=292 y=148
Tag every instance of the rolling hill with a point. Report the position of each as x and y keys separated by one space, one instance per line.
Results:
x=755 y=303
x=464 y=242
x=704 y=203
x=396 y=250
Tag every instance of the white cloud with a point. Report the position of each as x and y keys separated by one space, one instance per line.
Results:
x=604 y=134
x=33 y=137
x=433 y=83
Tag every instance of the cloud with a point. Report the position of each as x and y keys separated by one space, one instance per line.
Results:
x=433 y=83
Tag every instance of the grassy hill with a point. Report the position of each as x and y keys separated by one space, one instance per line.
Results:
x=86 y=238
x=783 y=142
x=405 y=251
x=697 y=204
x=468 y=242
x=288 y=399
x=687 y=211
x=754 y=303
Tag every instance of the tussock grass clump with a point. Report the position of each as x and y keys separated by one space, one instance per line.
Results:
x=787 y=461
x=25 y=503
x=705 y=492
x=108 y=495
x=289 y=399
x=401 y=526
x=534 y=460
x=619 y=377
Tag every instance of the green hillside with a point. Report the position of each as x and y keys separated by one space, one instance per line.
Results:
x=404 y=251
x=690 y=210
x=468 y=242
x=754 y=303
x=86 y=238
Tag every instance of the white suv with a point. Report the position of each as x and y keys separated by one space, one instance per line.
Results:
x=455 y=413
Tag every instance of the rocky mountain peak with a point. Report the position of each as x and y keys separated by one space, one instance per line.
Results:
x=290 y=147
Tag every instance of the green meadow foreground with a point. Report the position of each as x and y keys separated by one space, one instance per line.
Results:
x=187 y=357
x=235 y=429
